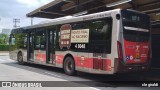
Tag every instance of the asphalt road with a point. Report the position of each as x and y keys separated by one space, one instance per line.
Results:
x=11 y=71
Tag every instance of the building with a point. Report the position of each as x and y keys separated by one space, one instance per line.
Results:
x=6 y=31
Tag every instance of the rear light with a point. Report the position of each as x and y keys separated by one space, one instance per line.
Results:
x=119 y=49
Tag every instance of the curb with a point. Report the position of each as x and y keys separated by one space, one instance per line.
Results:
x=4 y=54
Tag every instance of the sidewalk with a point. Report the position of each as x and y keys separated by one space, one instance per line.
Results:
x=4 y=53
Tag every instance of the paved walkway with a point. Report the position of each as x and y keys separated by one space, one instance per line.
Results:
x=4 y=53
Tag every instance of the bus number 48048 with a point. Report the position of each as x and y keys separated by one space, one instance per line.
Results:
x=80 y=46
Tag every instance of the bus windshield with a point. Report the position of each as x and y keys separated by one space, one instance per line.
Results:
x=136 y=26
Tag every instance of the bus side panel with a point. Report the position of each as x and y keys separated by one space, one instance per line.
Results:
x=13 y=54
x=86 y=62
x=116 y=36
x=40 y=55
x=93 y=63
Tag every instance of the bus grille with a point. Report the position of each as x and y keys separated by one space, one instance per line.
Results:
x=99 y=64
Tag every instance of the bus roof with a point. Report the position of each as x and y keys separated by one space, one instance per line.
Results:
x=73 y=19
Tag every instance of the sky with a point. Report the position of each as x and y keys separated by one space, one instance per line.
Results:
x=17 y=9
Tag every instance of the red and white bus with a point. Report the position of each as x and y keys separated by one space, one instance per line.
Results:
x=109 y=42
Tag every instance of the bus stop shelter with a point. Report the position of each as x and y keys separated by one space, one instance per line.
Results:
x=60 y=8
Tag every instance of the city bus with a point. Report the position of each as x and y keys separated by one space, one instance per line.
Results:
x=109 y=42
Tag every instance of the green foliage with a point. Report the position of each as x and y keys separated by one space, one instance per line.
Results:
x=4 y=47
x=4 y=38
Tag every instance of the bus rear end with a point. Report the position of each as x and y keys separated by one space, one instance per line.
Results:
x=134 y=45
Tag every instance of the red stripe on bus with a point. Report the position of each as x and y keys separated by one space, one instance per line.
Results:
x=59 y=59
x=136 y=52
x=88 y=62
x=41 y=57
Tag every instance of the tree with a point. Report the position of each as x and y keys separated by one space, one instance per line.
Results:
x=4 y=38
x=1 y=41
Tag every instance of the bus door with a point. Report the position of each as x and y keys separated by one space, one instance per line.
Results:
x=30 y=48
x=40 y=46
x=51 y=46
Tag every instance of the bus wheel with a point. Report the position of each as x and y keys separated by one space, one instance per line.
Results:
x=20 y=58
x=69 y=66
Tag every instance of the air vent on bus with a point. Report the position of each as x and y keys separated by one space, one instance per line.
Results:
x=99 y=64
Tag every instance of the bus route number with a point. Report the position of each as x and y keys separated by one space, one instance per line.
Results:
x=79 y=46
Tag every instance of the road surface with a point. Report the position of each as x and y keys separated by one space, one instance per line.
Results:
x=11 y=71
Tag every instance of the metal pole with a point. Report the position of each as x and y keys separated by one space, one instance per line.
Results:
x=31 y=20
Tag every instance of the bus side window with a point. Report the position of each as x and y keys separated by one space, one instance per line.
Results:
x=37 y=41
x=102 y=28
x=25 y=41
x=53 y=39
x=57 y=38
x=40 y=40
x=12 y=40
x=100 y=36
x=79 y=25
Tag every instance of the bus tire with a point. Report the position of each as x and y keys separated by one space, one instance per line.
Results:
x=69 y=66
x=20 y=58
